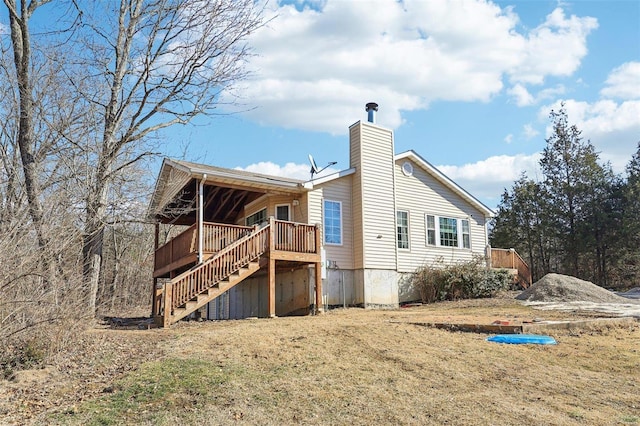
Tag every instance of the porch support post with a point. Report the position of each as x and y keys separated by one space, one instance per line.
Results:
x=200 y=202
x=154 y=310
x=319 y=307
x=272 y=287
x=272 y=269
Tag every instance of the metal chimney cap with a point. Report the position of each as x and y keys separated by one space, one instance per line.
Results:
x=371 y=106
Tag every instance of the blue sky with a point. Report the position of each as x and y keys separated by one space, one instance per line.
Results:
x=466 y=84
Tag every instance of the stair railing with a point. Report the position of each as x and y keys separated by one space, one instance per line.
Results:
x=227 y=261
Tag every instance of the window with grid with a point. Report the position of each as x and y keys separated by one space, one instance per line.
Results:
x=431 y=230
x=332 y=222
x=466 y=234
x=448 y=232
x=257 y=218
x=403 y=229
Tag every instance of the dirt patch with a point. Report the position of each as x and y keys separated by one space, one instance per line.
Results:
x=348 y=366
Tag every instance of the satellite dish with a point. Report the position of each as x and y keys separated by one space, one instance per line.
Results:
x=314 y=167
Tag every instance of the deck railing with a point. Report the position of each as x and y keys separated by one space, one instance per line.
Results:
x=296 y=237
x=510 y=259
x=176 y=248
x=227 y=261
x=215 y=237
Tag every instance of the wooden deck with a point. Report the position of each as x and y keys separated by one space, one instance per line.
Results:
x=510 y=259
x=231 y=253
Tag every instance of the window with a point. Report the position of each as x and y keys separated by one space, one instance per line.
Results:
x=282 y=212
x=447 y=232
x=403 y=229
x=466 y=234
x=257 y=218
x=332 y=222
x=431 y=230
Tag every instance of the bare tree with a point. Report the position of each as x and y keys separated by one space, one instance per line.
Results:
x=85 y=118
x=154 y=65
x=20 y=12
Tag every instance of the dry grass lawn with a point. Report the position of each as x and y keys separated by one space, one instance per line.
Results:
x=348 y=366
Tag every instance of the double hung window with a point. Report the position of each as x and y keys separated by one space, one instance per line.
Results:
x=447 y=232
x=402 y=221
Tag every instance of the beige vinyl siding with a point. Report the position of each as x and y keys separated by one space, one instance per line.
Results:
x=356 y=196
x=301 y=212
x=315 y=206
x=340 y=190
x=377 y=188
x=422 y=194
x=270 y=202
x=276 y=200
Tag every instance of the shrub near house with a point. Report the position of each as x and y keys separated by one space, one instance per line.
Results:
x=463 y=280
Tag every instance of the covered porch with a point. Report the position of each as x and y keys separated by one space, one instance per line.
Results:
x=233 y=228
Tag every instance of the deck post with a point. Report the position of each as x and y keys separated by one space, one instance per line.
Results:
x=272 y=269
x=166 y=315
x=272 y=288
x=487 y=256
x=319 y=307
x=155 y=280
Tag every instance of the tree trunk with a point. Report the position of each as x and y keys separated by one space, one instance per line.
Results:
x=21 y=43
x=94 y=237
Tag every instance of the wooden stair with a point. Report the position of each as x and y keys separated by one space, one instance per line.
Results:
x=211 y=293
x=204 y=282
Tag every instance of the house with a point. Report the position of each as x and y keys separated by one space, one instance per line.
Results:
x=258 y=245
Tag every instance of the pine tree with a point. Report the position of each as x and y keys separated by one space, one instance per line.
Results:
x=575 y=184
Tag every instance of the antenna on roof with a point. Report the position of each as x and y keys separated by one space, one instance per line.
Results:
x=314 y=168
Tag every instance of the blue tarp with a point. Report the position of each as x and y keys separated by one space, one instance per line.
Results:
x=520 y=339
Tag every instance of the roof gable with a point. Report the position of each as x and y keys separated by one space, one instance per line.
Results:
x=444 y=179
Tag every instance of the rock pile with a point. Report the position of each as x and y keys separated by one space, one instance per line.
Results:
x=564 y=288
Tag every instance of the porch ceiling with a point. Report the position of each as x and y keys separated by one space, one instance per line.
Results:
x=226 y=192
x=221 y=204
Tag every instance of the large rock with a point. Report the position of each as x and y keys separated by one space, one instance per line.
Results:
x=564 y=288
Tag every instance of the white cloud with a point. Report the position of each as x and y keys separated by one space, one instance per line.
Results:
x=521 y=95
x=487 y=179
x=556 y=47
x=623 y=82
x=524 y=98
x=289 y=170
x=613 y=128
x=529 y=132
x=317 y=67
x=509 y=138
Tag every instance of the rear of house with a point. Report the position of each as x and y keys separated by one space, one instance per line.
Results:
x=377 y=221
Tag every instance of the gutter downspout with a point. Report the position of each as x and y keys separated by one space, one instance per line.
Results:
x=201 y=218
